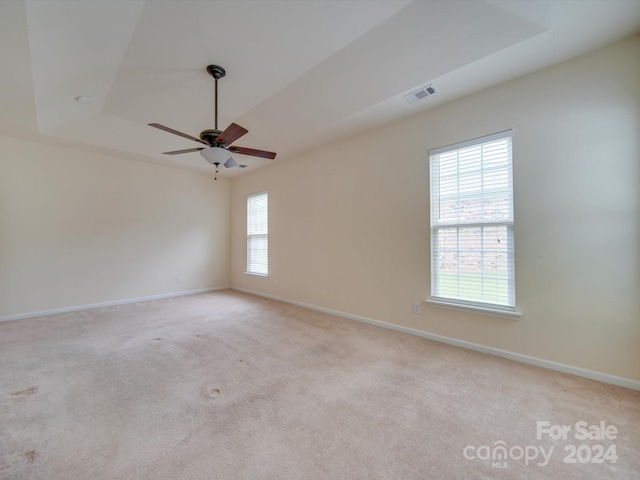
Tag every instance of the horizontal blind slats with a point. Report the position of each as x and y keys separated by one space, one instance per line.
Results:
x=472 y=221
x=258 y=233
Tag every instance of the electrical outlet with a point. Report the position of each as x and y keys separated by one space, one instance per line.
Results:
x=416 y=307
x=178 y=279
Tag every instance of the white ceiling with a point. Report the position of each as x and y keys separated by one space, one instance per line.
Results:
x=299 y=73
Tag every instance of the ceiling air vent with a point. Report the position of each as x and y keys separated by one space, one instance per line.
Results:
x=413 y=97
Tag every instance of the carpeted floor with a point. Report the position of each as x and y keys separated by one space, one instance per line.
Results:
x=230 y=386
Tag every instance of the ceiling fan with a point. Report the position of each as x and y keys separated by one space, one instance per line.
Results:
x=218 y=142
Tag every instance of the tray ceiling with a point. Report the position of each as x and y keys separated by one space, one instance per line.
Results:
x=299 y=73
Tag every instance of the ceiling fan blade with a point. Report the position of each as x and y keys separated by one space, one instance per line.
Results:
x=230 y=163
x=231 y=134
x=188 y=150
x=176 y=132
x=253 y=152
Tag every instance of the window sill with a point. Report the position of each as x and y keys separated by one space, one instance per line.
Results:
x=494 y=312
x=253 y=274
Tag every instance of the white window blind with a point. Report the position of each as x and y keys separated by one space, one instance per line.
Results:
x=472 y=248
x=258 y=233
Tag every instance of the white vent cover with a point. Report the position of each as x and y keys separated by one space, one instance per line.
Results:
x=424 y=92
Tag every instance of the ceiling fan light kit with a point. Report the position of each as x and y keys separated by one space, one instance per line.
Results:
x=215 y=155
x=218 y=142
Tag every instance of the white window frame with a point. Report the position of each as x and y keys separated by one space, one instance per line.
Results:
x=461 y=301
x=258 y=234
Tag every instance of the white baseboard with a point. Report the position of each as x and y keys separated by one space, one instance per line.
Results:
x=42 y=313
x=538 y=362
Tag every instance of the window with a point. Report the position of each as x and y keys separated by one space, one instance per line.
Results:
x=258 y=233
x=472 y=251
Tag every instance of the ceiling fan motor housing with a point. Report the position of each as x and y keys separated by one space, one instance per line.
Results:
x=210 y=136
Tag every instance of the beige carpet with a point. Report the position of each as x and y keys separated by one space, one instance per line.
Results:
x=230 y=386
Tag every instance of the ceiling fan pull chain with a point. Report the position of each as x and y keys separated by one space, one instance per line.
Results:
x=216 y=177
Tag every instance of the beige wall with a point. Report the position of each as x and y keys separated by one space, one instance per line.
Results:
x=78 y=228
x=349 y=223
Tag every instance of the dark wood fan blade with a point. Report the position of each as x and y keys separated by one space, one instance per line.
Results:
x=188 y=150
x=231 y=134
x=253 y=152
x=176 y=132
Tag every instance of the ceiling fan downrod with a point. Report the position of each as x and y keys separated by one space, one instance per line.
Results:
x=216 y=72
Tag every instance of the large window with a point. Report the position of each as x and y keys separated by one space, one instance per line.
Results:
x=258 y=233
x=472 y=252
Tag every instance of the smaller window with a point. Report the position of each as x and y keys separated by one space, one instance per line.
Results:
x=258 y=233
